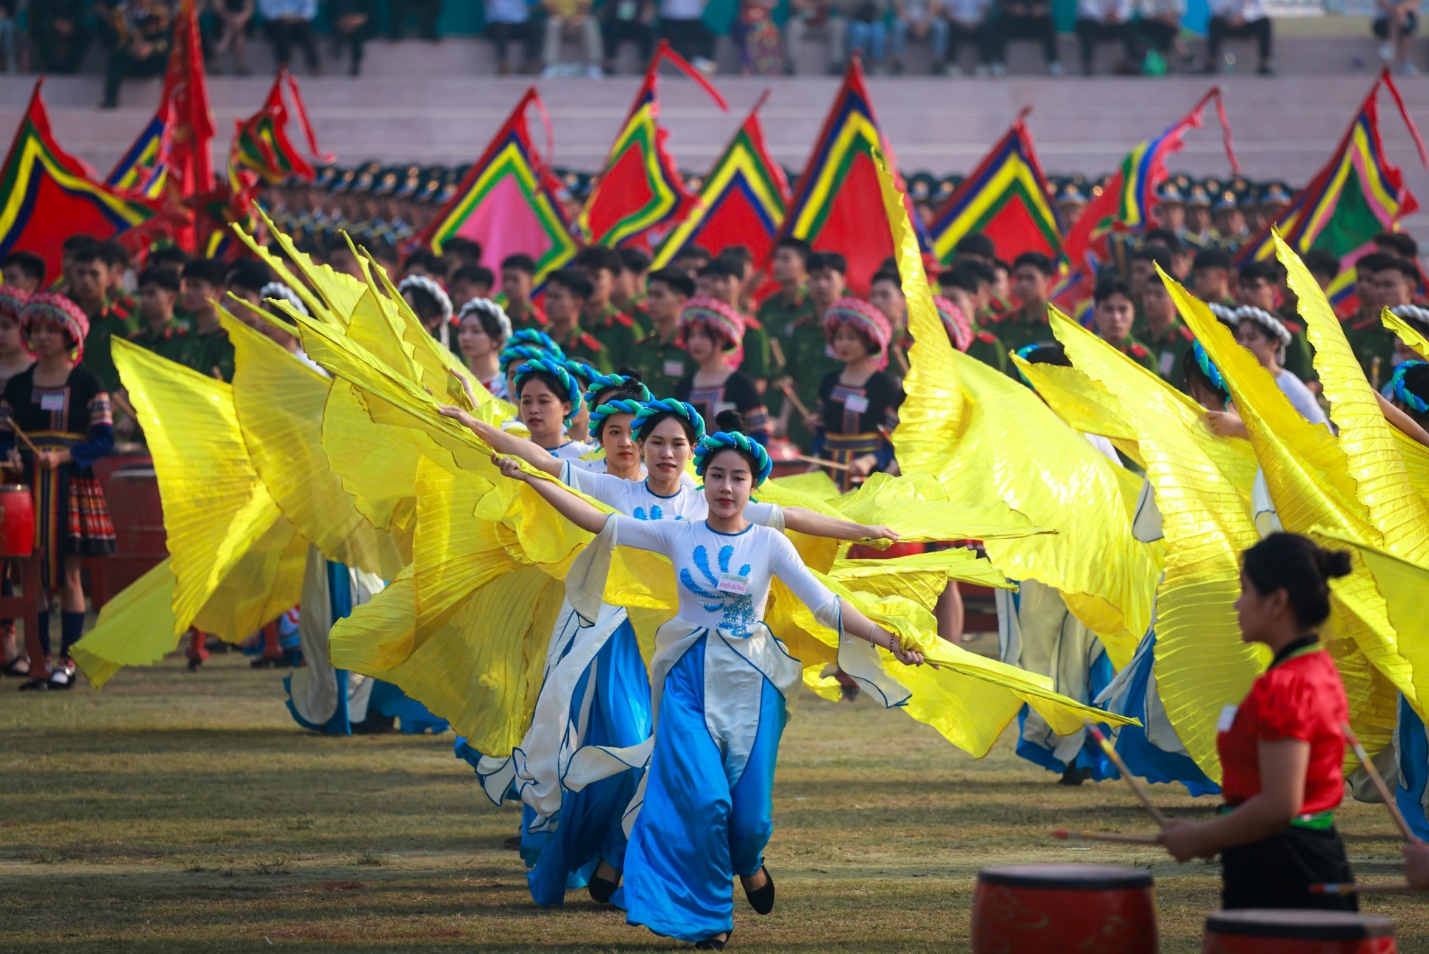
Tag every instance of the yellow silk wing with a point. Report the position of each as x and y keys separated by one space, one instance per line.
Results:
x=1406 y=333
x=135 y=628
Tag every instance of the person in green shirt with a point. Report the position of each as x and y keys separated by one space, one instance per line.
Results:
x=1112 y=317
x=789 y=268
x=885 y=293
x=568 y=293
x=808 y=348
x=1257 y=286
x=630 y=286
x=616 y=331
x=723 y=280
x=959 y=287
x=208 y=350
x=160 y=331
x=518 y=280
x=660 y=356
x=1166 y=336
x=1211 y=277
x=1383 y=281
x=88 y=286
x=1027 y=324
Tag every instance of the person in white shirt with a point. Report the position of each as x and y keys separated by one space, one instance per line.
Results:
x=1158 y=26
x=681 y=22
x=1025 y=20
x=1394 y=24
x=1266 y=337
x=1104 y=21
x=1238 y=18
x=921 y=22
x=508 y=20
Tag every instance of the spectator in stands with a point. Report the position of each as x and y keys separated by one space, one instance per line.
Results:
x=290 y=23
x=1238 y=18
x=867 y=34
x=823 y=16
x=761 y=46
x=571 y=17
x=920 y=21
x=682 y=23
x=351 y=26
x=234 y=17
x=1022 y=20
x=24 y=271
x=9 y=11
x=427 y=12
x=968 y=21
x=1104 y=21
x=1158 y=29
x=140 y=45
x=625 y=21
x=1394 y=24
x=58 y=35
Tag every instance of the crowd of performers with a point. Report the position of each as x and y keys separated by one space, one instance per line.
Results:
x=537 y=446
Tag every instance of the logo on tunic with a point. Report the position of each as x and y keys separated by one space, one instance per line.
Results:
x=736 y=610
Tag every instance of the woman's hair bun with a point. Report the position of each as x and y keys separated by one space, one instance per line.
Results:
x=631 y=373
x=730 y=421
x=1333 y=563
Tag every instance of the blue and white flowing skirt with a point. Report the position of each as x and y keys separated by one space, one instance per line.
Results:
x=1411 y=755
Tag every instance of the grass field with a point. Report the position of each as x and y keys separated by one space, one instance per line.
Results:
x=175 y=812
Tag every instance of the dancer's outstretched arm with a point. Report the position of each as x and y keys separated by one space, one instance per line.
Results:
x=504 y=443
x=555 y=493
x=816 y=524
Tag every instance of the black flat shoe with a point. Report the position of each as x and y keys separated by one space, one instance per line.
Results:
x=600 y=888
x=761 y=899
x=35 y=685
x=19 y=667
x=714 y=943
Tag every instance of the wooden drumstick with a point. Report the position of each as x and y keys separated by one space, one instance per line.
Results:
x=25 y=438
x=1386 y=887
x=1378 y=780
x=1062 y=834
x=124 y=406
x=793 y=398
x=777 y=351
x=822 y=462
x=1136 y=787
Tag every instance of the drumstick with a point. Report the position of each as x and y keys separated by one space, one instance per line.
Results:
x=777 y=350
x=1137 y=788
x=124 y=406
x=902 y=359
x=823 y=463
x=1062 y=834
x=793 y=398
x=1386 y=887
x=23 y=436
x=1378 y=780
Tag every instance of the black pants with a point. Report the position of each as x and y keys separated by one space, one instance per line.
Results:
x=502 y=35
x=1221 y=30
x=1025 y=28
x=427 y=13
x=1278 y=872
x=286 y=34
x=1092 y=32
x=689 y=38
x=981 y=36
x=614 y=32
x=1157 y=35
x=56 y=52
x=123 y=65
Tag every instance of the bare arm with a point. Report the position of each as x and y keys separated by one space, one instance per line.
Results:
x=1283 y=766
x=817 y=525
x=555 y=493
x=504 y=443
x=1402 y=421
x=856 y=624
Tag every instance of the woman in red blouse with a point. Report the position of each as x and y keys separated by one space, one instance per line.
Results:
x=1281 y=749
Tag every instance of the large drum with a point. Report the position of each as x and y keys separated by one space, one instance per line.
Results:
x=1048 y=909
x=1297 y=932
x=17 y=521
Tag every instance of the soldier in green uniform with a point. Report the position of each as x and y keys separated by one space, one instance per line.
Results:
x=1113 y=316
x=122 y=305
x=723 y=280
x=806 y=346
x=518 y=280
x=1027 y=324
x=789 y=268
x=630 y=286
x=1211 y=277
x=160 y=331
x=1256 y=286
x=88 y=286
x=1166 y=336
x=1394 y=281
x=616 y=331
x=207 y=349
x=960 y=286
x=660 y=356
x=568 y=293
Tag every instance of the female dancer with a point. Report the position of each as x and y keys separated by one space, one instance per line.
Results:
x=720 y=678
x=548 y=397
x=64 y=410
x=1282 y=748
x=714 y=336
x=431 y=305
x=858 y=405
x=482 y=331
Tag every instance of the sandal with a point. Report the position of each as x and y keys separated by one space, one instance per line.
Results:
x=760 y=899
x=19 y=666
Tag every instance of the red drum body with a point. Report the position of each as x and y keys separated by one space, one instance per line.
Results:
x=785 y=457
x=17 y=521
x=1049 y=909
x=1297 y=932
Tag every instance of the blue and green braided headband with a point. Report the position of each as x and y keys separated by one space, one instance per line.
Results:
x=583 y=372
x=516 y=354
x=709 y=446
x=558 y=370
x=1402 y=394
x=612 y=382
x=536 y=339
x=653 y=409
x=622 y=406
x=1025 y=353
x=1203 y=361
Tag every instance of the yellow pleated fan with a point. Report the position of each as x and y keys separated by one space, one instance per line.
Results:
x=1201 y=483
x=1082 y=403
x=922 y=509
x=1406 y=333
x=135 y=628
x=1310 y=484
x=1404 y=584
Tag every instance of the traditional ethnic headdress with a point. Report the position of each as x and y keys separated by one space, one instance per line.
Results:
x=709 y=446
x=489 y=308
x=12 y=300
x=558 y=370
x=283 y=292
x=619 y=406
x=426 y=286
x=58 y=309
x=1273 y=326
x=862 y=317
x=653 y=409
x=1402 y=394
x=1208 y=368
x=959 y=329
x=715 y=315
x=530 y=337
x=612 y=382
